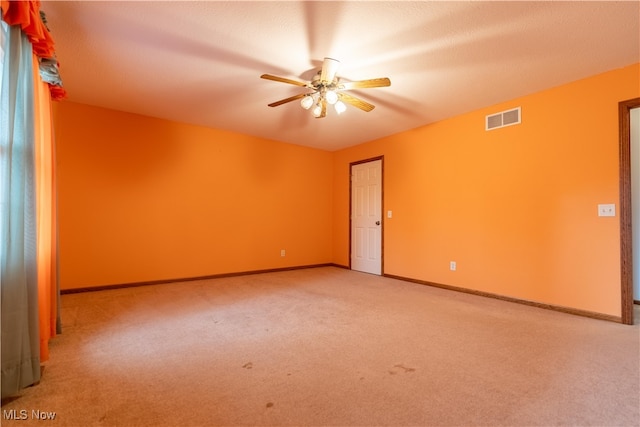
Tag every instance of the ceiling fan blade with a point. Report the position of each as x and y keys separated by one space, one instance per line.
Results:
x=284 y=80
x=362 y=84
x=329 y=70
x=291 y=98
x=356 y=102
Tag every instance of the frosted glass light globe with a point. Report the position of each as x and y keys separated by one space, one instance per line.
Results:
x=317 y=110
x=306 y=102
x=331 y=97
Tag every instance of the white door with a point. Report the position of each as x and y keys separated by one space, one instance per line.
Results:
x=366 y=217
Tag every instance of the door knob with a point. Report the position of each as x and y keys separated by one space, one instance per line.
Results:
x=377 y=222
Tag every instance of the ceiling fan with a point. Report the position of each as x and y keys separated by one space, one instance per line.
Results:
x=326 y=88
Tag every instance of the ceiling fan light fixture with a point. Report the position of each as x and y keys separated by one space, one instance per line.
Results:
x=331 y=96
x=306 y=102
x=317 y=110
x=340 y=107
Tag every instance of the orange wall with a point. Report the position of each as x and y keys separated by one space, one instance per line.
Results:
x=143 y=199
x=515 y=207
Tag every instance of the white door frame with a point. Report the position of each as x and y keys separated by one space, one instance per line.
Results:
x=351 y=165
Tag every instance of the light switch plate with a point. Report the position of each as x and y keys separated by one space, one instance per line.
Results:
x=607 y=209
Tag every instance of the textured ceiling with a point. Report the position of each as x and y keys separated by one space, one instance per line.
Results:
x=200 y=62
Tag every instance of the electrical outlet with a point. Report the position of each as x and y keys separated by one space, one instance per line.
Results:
x=283 y=252
x=607 y=209
x=453 y=265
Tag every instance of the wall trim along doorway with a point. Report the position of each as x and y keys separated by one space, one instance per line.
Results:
x=626 y=243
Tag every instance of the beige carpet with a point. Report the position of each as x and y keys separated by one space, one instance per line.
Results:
x=328 y=346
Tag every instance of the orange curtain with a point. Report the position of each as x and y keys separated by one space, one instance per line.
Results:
x=26 y=14
x=46 y=214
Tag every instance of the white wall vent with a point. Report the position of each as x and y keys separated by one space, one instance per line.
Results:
x=502 y=119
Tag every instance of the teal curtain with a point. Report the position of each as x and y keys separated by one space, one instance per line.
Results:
x=18 y=274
